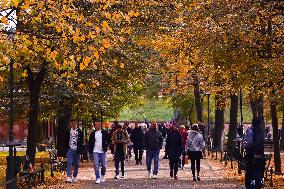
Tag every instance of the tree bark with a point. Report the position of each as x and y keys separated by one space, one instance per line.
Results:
x=198 y=103
x=62 y=127
x=277 y=157
x=282 y=131
x=219 y=125
x=232 y=134
x=34 y=84
x=257 y=109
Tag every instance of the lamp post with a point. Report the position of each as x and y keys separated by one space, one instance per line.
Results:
x=208 y=121
x=208 y=111
x=10 y=172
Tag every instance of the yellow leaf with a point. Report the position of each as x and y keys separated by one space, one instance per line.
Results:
x=1 y=79
x=82 y=66
x=121 y=65
x=24 y=74
x=26 y=6
x=54 y=54
x=4 y=20
x=106 y=43
x=81 y=86
x=15 y=3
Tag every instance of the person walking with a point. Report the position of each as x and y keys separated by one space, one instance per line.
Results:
x=184 y=135
x=202 y=129
x=137 y=138
x=253 y=143
x=74 y=145
x=153 y=141
x=174 y=149
x=98 y=145
x=120 y=141
x=129 y=130
x=194 y=146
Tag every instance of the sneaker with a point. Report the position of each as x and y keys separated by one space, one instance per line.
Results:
x=69 y=180
x=194 y=179
x=198 y=178
x=122 y=176
x=140 y=162
x=155 y=176
x=75 y=179
x=176 y=178
x=137 y=163
x=116 y=177
x=98 y=181
x=103 y=178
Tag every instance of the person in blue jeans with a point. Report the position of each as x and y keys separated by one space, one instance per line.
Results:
x=74 y=145
x=98 y=144
x=153 y=141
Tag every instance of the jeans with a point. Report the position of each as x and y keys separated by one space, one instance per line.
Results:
x=174 y=166
x=153 y=154
x=73 y=157
x=138 y=154
x=129 y=150
x=99 y=158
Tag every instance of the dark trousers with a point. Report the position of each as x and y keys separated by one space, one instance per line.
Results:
x=119 y=157
x=195 y=165
x=138 y=151
x=174 y=166
x=183 y=158
x=254 y=172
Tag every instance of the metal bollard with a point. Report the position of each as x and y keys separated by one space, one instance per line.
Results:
x=216 y=154
x=232 y=167
x=221 y=159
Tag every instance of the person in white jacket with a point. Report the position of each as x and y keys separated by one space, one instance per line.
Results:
x=194 y=146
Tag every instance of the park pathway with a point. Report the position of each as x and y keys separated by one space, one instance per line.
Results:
x=213 y=176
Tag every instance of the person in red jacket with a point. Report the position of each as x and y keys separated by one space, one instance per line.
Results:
x=184 y=134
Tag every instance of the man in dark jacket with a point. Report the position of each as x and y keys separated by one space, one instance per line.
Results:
x=137 y=138
x=174 y=149
x=98 y=144
x=153 y=141
x=253 y=143
x=74 y=145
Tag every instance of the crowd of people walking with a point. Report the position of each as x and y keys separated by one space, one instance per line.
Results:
x=181 y=143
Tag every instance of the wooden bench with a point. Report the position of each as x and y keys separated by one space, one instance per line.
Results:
x=25 y=178
x=56 y=164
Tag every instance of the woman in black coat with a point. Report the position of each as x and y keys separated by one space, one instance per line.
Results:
x=174 y=149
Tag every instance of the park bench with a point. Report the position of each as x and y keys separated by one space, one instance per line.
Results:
x=56 y=164
x=25 y=177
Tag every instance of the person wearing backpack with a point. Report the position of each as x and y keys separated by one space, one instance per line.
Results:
x=120 y=140
x=194 y=146
x=253 y=143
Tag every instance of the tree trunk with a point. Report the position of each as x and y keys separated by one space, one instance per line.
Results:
x=277 y=158
x=232 y=134
x=282 y=131
x=219 y=125
x=257 y=109
x=34 y=92
x=198 y=103
x=62 y=127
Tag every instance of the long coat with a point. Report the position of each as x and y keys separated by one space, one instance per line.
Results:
x=174 y=144
x=125 y=140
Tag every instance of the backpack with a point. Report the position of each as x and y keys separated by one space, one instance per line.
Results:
x=248 y=141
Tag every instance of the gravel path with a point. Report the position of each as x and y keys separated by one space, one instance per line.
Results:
x=212 y=176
